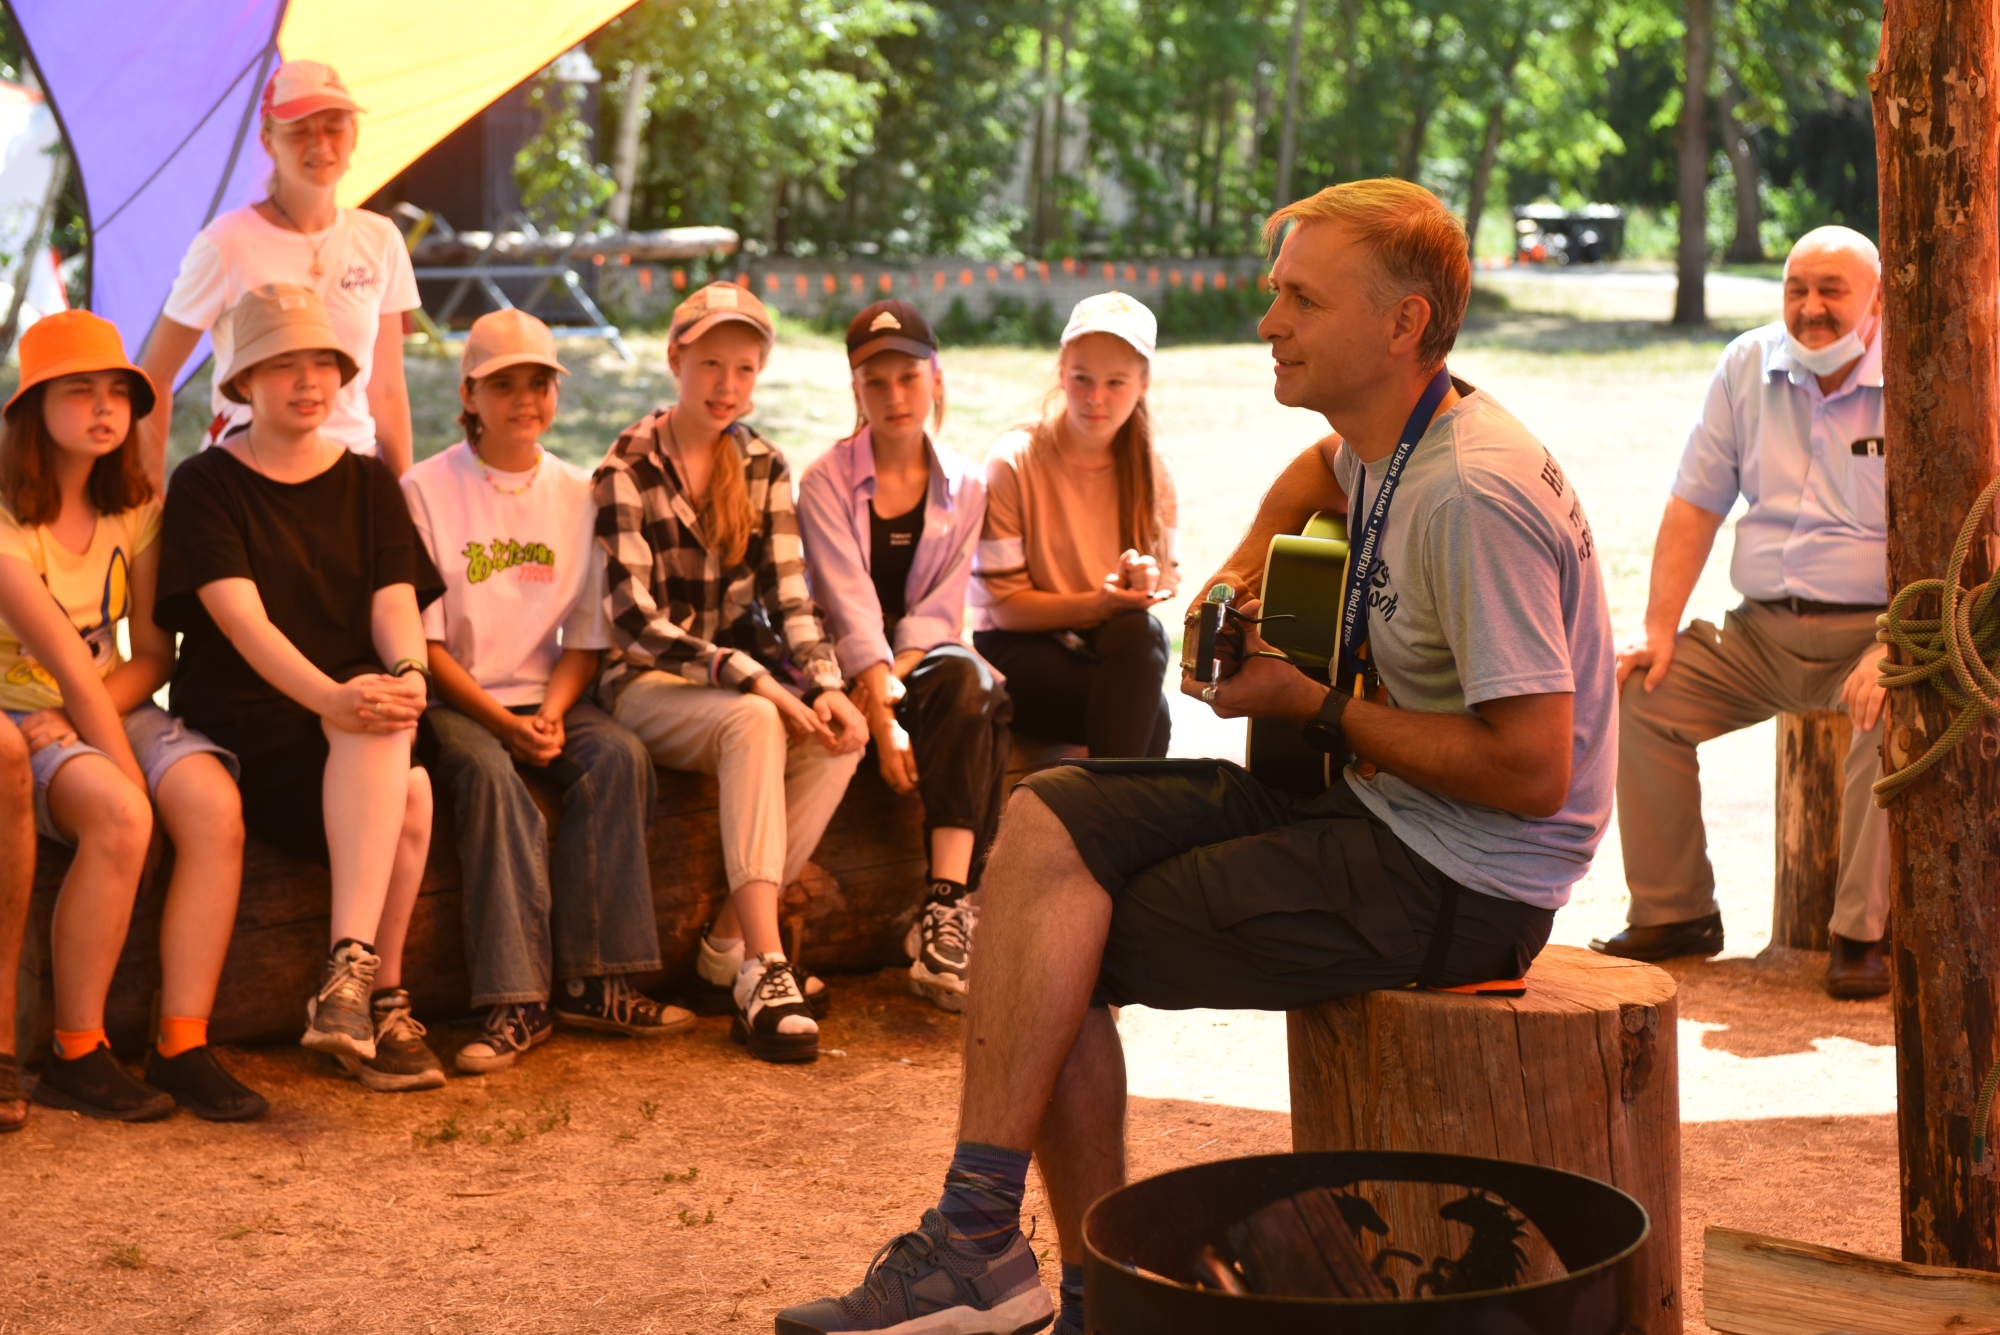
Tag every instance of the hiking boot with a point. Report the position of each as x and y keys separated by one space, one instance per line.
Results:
x=337 y=1019
x=772 y=1018
x=1665 y=941
x=402 y=1060
x=510 y=1030
x=198 y=1083
x=98 y=1085
x=923 y=1282
x=715 y=982
x=613 y=1006
x=940 y=949
x=13 y=1096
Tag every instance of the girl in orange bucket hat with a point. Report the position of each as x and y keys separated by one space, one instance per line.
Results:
x=79 y=552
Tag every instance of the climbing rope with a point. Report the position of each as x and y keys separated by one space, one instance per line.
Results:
x=1955 y=652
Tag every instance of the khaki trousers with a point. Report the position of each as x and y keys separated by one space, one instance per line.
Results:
x=1763 y=661
x=777 y=793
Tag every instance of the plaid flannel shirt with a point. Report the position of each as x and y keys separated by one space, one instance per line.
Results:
x=674 y=606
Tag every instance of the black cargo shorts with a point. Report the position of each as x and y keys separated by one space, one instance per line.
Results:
x=1234 y=895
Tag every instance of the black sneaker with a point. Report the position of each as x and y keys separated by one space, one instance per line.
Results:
x=940 y=949
x=715 y=982
x=509 y=1031
x=613 y=1006
x=921 y=1282
x=772 y=1017
x=402 y=1060
x=337 y=1019
x=98 y=1085
x=198 y=1083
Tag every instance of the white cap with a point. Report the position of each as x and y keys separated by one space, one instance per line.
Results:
x=1114 y=313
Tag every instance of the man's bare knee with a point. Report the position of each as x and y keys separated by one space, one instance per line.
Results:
x=1033 y=844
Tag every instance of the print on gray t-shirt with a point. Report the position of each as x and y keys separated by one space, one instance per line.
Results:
x=1486 y=587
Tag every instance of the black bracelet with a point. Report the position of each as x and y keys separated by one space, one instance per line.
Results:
x=405 y=666
x=1322 y=731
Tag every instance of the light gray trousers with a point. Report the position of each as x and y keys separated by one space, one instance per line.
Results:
x=1762 y=662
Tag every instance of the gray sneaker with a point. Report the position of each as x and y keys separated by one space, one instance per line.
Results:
x=940 y=949
x=402 y=1060
x=337 y=1019
x=920 y=1282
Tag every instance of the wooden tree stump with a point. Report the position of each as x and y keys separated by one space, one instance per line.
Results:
x=1580 y=1074
x=1812 y=749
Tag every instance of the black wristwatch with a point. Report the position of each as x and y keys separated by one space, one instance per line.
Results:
x=1322 y=731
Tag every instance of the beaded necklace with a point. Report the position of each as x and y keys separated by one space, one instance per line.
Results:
x=486 y=471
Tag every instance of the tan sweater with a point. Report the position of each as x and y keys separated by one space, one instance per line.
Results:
x=1054 y=527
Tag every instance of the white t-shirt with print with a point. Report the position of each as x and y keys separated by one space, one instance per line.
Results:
x=523 y=575
x=365 y=274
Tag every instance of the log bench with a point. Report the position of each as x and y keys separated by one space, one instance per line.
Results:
x=1582 y=1074
x=1812 y=749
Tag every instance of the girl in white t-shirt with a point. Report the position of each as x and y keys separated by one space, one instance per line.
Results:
x=514 y=648
x=79 y=553
x=355 y=260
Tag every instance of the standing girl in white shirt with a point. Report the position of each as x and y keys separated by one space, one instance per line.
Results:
x=355 y=260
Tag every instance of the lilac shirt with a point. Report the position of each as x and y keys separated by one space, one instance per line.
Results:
x=834 y=498
x=1815 y=526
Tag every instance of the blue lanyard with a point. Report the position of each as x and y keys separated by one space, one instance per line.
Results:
x=1365 y=531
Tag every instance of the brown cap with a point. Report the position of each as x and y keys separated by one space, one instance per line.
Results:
x=504 y=338
x=719 y=303
x=77 y=343
x=273 y=319
x=889 y=326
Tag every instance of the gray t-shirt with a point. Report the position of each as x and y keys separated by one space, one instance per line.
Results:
x=1487 y=587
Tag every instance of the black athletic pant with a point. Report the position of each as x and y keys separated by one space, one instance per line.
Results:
x=956 y=712
x=1107 y=697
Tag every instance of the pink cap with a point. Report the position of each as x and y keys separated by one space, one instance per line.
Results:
x=301 y=87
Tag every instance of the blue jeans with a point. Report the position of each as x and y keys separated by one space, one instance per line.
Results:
x=586 y=912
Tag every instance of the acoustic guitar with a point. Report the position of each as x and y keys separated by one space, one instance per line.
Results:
x=1304 y=575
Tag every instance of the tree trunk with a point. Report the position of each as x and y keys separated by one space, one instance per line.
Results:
x=1690 y=297
x=1580 y=1074
x=1747 y=247
x=1489 y=148
x=1037 y=160
x=1812 y=749
x=625 y=152
x=1057 y=227
x=1426 y=107
x=1288 y=135
x=1935 y=139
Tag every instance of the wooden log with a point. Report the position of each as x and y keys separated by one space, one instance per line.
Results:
x=1937 y=144
x=1580 y=1074
x=1752 y=1284
x=1812 y=748
x=856 y=909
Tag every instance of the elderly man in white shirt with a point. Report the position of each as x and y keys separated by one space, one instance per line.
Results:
x=1793 y=424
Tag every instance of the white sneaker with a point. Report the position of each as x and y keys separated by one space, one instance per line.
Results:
x=718 y=969
x=772 y=1017
x=940 y=949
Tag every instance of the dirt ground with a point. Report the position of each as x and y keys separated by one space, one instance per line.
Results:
x=609 y=1185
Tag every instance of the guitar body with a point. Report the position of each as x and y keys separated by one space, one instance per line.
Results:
x=1304 y=575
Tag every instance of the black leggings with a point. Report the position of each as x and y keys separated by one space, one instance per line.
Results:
x=1107 y=697
x=956 y=712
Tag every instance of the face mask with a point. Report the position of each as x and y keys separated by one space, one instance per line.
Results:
x=1826 y=360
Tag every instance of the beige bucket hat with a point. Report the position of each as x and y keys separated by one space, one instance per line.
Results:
x=278 y=318
x=503 y=338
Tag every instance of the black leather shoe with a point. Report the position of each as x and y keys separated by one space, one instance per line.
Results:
x=200 y=1084
x=1665 y=941
x=1856 y=969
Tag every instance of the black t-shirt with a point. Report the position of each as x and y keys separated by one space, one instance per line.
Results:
x=892 y=548
x=317 y=551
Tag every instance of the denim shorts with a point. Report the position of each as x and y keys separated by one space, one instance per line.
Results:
x=159 y=741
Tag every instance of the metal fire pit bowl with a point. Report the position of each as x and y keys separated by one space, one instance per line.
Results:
x=1159 y=1225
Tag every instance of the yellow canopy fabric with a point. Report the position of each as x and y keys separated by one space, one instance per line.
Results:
x=422 y=68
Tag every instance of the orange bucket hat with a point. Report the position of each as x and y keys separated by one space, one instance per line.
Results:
x=76 y=343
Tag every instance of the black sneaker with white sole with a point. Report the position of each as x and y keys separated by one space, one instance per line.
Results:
x=98 y=1085
x=613 y=1006
x=337 y=1018
x=923 y=1282
x=402 y=1060
x=940 y=949
x=772 y=1017
x=509 y=1031
x=715 y=973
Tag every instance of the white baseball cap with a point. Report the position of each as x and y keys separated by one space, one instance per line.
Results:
x=1114 y=313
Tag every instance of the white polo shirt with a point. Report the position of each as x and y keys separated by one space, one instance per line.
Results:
x=1808 y=463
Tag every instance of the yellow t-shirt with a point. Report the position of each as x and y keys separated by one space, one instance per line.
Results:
x=94 y=587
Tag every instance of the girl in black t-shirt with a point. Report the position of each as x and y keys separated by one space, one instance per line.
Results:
x=294 y=572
